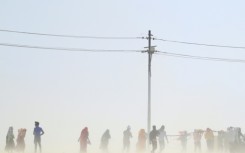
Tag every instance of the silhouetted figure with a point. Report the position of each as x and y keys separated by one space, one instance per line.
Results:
x=239 y=136
x=197 y=135
x=21 y=140
x=10 y=145
x=209 y=136
x=127 y=135
x=183 y=139
x=153 y=138
x=234 y=140
x=230 y=139
x=38 y=132
x=238 y=145
x=141 y=144
x=241 y=141
x=221 y=140
x=84 y=140
x=105 y=141
x=226 y=141
x=162 y=137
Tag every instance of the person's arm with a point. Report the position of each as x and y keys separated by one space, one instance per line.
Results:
x=242 y=135
x=42 y=132
x=166 y=137
x=150 y=138
x=89 y=142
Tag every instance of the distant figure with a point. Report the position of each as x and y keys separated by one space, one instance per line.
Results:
x=162 y=137
x=238 y=145
x=241 y=141
x=230 y=137
x=239 y=136
x=37 y=132
x=153 y=138
x=221 y=140
x=197 y=135
x=10 y=145
x=183 y=139
x=105 y=141
x=21 y=140
x=226 y=141
x=141 y=144
x=84 y=140
x=209 y=136
x=127 y=135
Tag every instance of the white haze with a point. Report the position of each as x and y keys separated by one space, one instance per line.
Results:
x=66 y=91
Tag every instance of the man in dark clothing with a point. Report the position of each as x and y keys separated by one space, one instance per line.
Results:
x=153 y=138
x=127 y=135
x=105 y=141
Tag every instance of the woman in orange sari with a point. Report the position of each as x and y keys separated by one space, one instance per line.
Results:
x=141 y=144
x=20 y=140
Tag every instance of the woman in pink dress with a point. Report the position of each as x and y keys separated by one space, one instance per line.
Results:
x=84 y=140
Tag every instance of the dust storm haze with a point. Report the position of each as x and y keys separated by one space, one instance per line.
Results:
x=75 y=64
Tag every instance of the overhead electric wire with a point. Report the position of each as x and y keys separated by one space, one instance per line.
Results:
x=200 y=44
x=67 y=49
x=200 y=57
x=107 y=37
x=117 y=50
x=68 y=36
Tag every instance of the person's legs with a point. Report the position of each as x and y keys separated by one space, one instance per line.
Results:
x=184 y=143
x=128 y=147
x=124 y=146
x=199 y=146
x=154 y=146
x=35 y=143
x=40 y=146
x=161 y=145
x=195 y=146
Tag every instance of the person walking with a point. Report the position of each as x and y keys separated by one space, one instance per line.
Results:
x=105 y=141
x=153 y=138
x=84 y=140
x=21 y=140
x=141 y=144
x=183 y=139
x=162 y=137
x=127 y=135
x=197 y=135
x=209 y=136
x=10 y=145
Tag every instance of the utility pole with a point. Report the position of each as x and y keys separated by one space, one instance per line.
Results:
x=150 y=51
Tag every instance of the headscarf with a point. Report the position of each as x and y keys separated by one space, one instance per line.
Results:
x=84 y=133
x=10 y=131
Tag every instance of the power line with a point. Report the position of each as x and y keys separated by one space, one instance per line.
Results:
x=199 y=57
x=104 y=37
x=124 y=51
x=67 y=49
x=200 y=44
x=67 y=36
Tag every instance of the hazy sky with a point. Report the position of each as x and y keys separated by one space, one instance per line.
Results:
x=66 y=91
